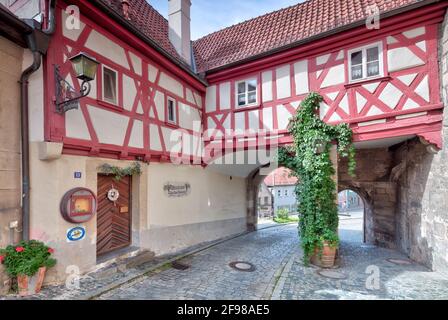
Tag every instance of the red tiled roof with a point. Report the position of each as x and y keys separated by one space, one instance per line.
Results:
x=258 y=35
x=282 y=27
x=280 y=177
x=149 y=21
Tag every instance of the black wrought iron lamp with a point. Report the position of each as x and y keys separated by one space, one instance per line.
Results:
x=67 y=97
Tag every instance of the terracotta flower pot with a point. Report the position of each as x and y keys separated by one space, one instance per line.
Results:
x=327 y=257
x=31 y=285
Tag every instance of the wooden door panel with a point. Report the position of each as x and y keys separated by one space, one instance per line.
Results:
x=113 y=219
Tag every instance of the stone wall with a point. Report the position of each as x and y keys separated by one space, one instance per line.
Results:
x=422 y=214
x=10 y=71
x=372 y=183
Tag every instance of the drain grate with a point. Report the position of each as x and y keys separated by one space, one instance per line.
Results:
x=332 y=274
x=400 y=262
x=242 y=266
x=180 y=265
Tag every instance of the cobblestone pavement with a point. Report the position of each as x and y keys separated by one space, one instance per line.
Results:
x=280 y=273
x=211 y=277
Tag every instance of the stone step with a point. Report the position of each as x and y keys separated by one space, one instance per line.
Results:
x=142 y=257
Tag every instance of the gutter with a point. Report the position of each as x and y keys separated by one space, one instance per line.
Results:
x=13 y=28
x=118 y=18
x=322 y=35
x=37 y=41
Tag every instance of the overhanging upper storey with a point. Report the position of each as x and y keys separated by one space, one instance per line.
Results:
x=384 y=82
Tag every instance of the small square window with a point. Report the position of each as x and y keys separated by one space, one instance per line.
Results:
x=171 y=110
x=246 y=92
x=365 y=62
x=109 y=85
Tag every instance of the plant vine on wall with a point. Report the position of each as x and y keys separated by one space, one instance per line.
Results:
x=118 y=172
x=309 y=159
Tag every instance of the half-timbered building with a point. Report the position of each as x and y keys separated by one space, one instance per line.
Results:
x=183 y=108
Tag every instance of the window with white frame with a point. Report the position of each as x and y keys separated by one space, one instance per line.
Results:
x=286 y=192
x=171 y=110
x=279 y=193
x=366 y=62
x=246 y=92
x=110 y=85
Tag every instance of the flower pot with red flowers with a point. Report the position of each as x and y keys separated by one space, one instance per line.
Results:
x=28 y=262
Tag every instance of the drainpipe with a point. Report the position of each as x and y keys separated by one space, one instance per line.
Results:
x=38 y=44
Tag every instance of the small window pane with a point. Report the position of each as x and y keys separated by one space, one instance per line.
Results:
x=372 y=54
x=357 y=72
x=356 y=58
x=241 y=99
x=373 y=68
x=241 y=87
x=171 y=111
x=252 y=97
x=110 y=85
x=252 y=85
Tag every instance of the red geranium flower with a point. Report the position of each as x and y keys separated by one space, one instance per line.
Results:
x=50 y=250
x=2 y=258
x=20 y=249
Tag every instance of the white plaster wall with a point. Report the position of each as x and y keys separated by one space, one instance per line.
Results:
x=110 y=127
x=402 y=58
x=283 y=82
x=266 y=86
x=171 y=84
x=102 y=45
x=213 y=196
x=189 y=117
x=224 y=96
x=301 y=76
x=210 y=99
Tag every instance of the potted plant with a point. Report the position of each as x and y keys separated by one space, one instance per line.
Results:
x=27 y=262
x=325 y=250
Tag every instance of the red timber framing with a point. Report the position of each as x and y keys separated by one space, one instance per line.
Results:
x=410 y=113
x=143 y=108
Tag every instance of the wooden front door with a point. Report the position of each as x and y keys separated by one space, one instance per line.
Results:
x=113 y=217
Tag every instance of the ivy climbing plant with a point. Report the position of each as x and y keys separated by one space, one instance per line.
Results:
x=309 y=160
x=118 y=172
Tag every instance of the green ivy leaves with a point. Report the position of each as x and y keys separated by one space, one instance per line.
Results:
x=118 y=172
x=309 y=159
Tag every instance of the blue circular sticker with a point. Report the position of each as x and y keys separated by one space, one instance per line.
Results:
x=76 y=234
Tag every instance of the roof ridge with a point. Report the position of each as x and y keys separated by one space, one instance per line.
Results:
x=254 y=18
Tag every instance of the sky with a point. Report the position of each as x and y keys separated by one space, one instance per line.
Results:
x=208 y=16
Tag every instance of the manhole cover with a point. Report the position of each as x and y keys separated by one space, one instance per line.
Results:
x=242 y=266
x=400 y=262
x=179 y=265
x=332 y=274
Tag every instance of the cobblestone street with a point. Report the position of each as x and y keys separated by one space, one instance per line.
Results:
x=280 y=273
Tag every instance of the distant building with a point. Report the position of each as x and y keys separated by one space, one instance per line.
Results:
x=282 y=185
x=349 y=200
x=265 y=202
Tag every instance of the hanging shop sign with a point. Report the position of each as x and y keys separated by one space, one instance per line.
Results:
x=177 y=189
x=78 y=205
x=76 y=234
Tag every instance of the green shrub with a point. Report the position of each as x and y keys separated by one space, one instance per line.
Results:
x=26 y=258
x=282 y=213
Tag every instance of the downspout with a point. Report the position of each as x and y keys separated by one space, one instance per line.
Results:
x=37 y=47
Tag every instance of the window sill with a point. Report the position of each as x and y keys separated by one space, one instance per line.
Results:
x=171 y=125
x=109 y=105
x=365 y=81
x=246 y=108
